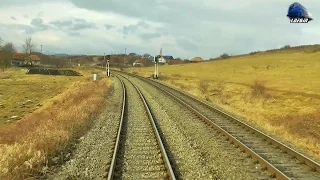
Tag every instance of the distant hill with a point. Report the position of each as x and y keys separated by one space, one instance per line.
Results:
x=61 y=55
x=289 y=49
x=50 y=60
x=285 y=49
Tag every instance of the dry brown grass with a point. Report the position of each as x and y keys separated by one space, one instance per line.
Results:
x=259 y=90
x=30 y=143
x=300 y=125
x=262 y=88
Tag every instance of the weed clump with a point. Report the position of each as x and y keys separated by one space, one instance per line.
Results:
x=204 y=86
x=258 y=89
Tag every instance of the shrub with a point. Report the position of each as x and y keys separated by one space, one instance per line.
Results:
x=259 y=90
x=204 y=86
x=224 y=56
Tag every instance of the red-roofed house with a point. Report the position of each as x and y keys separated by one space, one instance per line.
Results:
x=196 y=59
x=23 y=59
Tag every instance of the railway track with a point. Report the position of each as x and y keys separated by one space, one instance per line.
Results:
x=139 y=152
x=281 y=161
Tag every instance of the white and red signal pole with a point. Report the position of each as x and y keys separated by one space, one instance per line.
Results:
x=108 y=66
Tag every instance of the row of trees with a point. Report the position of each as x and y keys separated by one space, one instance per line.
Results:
x=6 y=53
x=7 y=49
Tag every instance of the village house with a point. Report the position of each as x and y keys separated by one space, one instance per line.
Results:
x=196 y=59
x=165 y=59
x=138 y=62
x=23 y=59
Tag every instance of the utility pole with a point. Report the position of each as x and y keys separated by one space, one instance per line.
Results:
x=41 y=48
x=104 y=60
x=157 y=66
x=124 y=57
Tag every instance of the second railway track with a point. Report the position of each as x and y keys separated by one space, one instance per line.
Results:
x=281 y=161
x=139 y=151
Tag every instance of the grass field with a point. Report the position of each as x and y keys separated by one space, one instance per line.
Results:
x=278 y=92
x=52 y=112
x=21 y=93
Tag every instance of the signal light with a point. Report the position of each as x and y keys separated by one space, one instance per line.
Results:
x=156 y=59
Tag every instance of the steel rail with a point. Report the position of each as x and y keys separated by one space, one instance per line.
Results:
x=304 y=159
x=271 y=169
x=264 y=163
x=165 y=158
x=116 y=147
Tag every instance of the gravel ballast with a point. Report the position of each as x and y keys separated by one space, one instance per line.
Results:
x=198 y=151
x=140 y=155
x=92 y=156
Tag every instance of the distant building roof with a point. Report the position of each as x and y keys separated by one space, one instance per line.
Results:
x=168 y=57
x=197 y=59
x=24 y=56
x=34 y=58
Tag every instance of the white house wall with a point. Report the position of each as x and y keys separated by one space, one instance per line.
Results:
x=162 y=60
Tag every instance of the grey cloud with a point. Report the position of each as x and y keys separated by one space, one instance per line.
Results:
x=129 y=29
x=14 y=26
x=61 y=23
x=73 y=24
x=13 y=18
x=82 y=24
x=207 y=28
x=40 y=14
x=215 y=27
x=143 y=24
x=147 y=36
x=30 y=30
x=25 y=16
x=186 y=44
x=26 y=28
x=38 y=23
x=132 y=28
x=108 y=26
x=74 y=34
x=166 y=11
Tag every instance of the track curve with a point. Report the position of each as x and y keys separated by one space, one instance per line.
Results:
x=139 y=152
x=281 y=161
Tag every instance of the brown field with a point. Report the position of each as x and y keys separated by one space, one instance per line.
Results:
x=277 y=92
x=61 y=109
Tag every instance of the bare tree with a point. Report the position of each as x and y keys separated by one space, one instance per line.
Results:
x=28 y=45
x=1 y=40
x=7 y=53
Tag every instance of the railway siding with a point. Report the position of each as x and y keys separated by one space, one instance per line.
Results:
x=197 y=151
x=281 y=161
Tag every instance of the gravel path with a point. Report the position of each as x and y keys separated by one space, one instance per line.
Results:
x=92 y=156
x=198 y=151
x=141 y=156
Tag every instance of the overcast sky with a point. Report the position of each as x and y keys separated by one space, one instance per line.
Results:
x=183 y=28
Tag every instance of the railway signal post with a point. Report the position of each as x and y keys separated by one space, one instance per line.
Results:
x=156 y=69
x=108 y=65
